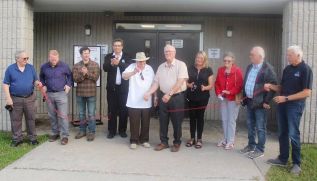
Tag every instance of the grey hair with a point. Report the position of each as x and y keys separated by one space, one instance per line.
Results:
x=169 y=46
x=260 y=50
x=229 y=54
x=18 y=53
x=296 y=49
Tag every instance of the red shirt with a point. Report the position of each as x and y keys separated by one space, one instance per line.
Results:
x=231 y=82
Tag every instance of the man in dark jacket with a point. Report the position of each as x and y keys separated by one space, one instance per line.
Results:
x=117 y=89
x=257 y=100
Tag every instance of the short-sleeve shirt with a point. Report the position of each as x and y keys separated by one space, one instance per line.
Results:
x=199 y=78
x=138 y=85
x=296 y=78
x=21 y=83
x=167 y=75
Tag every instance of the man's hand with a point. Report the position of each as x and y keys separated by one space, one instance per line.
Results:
x=66 y=89
x=266 y=106
x=38 y=83
x=166 y=98
x=146 y=96
x=115 y=61
x=190 y=85
x=44 y=89
x=84 y=70
x=9 y=101
x=279 y=99
x=267 y=87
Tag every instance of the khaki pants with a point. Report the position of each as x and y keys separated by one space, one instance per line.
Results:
x=136 y=116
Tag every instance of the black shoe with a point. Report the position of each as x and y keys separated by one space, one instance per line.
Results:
x=123 y=134
x=110 y=135
x=16 y=143
x=53 y=138
x=34 y=142
x=277 y=162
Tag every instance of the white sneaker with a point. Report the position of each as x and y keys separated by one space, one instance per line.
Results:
x=221 y=143
x=146 y=145
x=133 y=146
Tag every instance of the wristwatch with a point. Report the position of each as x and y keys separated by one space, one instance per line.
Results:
x=286 y=98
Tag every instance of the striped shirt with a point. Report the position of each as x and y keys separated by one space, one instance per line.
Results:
x=86 y=84
x=251 y=80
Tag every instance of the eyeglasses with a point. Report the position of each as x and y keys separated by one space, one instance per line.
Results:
x=141 y=75
x=25 y=58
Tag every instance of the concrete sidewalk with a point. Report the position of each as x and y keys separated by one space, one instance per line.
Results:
x=111 y=159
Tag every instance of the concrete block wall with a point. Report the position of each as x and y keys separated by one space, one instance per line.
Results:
x=300 y=27
x=16 y=33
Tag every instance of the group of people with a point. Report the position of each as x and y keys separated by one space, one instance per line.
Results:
x=133 y=88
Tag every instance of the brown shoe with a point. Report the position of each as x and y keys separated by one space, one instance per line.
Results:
x=53 y=138
x=90 y=136
x=64 y=141
x=175 y=148
x=80 y=135
x=160 y=147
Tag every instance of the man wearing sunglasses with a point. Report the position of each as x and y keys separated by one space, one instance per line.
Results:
x=18 y=86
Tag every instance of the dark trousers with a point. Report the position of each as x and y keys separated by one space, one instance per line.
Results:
x=256 y=121
x=173 y=110
x=22 y=106
x=196 y=115
x=136 y=117
x=289 y=115
x=117 y=107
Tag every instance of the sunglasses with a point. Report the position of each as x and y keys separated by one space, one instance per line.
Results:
x=141 y=75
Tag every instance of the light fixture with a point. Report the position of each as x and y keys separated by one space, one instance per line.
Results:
x=229 y=31
x=87 y=30
x=148 y=26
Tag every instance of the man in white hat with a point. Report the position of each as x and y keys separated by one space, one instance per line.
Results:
x=140 y=76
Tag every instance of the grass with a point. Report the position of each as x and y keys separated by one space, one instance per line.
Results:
x=9 y=154
x=308 y=166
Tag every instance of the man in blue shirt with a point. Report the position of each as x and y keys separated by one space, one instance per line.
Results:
x=56 y=78
x=257 y=100
x=18 y=86
x=296 y=86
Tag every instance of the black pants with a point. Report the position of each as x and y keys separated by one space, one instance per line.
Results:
x=117 y=107
x=173 y=110
x=196 y=115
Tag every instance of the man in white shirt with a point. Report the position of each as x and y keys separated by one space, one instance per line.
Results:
x=117 y=89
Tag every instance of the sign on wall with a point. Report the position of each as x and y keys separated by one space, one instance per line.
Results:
x=95 y=55
x=214 y=53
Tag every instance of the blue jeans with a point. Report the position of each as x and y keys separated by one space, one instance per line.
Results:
x=91 y=105
x=289 y=115
x=256 y=121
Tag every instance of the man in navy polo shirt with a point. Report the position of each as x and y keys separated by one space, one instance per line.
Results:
x=295 y=87
x=56 y=78
x=18 y=85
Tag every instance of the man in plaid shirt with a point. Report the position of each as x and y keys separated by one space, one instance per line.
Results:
x=85 y=74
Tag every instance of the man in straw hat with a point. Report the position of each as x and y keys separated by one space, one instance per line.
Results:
x=140 y=76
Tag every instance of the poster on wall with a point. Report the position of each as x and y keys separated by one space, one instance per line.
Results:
x=95 y=55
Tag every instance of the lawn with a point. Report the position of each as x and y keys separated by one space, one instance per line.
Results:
x=9 y=154
x=308 y=165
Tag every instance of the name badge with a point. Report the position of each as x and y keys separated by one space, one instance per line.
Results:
x=123 y=61
x=297 y=74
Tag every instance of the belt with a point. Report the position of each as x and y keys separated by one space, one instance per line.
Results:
x=22 y=96
x=54 y=91
x=174 y=95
